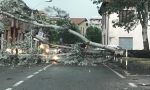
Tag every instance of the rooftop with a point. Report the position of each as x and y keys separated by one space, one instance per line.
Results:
x=78 y=20
x=96 y=18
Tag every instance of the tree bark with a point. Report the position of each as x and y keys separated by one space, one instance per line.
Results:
x=144 y=27
x=145 y=38
x=90 y=42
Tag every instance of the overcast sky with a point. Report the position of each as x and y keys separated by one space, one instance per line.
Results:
x=75 y=8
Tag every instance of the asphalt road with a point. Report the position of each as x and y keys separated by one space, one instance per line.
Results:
x=64 y=77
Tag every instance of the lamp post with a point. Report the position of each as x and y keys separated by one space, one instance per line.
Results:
x=31 y=33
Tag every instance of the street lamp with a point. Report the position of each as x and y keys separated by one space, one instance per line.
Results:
x=32 y=17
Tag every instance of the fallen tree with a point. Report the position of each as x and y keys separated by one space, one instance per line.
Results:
x=31 y=21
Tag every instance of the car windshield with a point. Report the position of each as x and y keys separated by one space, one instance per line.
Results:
x=74 y=45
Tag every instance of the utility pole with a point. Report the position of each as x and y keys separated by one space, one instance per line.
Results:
x=2 y=35
x=31 y=33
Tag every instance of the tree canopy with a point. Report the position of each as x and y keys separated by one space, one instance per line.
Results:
x=137 y=7
x=55 y=11
x=16 y=7
x=94 y=34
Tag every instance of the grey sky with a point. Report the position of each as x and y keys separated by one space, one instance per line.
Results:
x=75 y=8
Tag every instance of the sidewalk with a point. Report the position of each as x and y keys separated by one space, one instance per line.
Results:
x=140 y=80
x=134 y=66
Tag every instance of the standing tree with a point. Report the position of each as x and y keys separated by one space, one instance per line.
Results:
x=140 y=9
x=94 y=34
x=51 y=34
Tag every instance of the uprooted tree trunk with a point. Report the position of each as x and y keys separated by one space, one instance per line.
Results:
x=90 y=42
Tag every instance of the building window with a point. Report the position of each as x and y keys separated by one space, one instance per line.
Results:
x=126 y=42
x=86 y=24
x=83 y=31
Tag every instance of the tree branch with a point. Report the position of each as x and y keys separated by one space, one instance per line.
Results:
x=29 y=21
x=140 y=18
x=58 y=27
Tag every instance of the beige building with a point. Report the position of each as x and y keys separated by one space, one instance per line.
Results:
x=82 y=24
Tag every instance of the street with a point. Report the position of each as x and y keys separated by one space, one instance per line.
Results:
x=64 y=77
x=64 y=45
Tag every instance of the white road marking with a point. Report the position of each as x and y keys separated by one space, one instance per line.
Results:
x=40 y=70
x=132 y=84
x=9 y=89
x=18 y=83
x=120 y=75
x=125 y=88
x=143 y=84
x=35 y=73
x=139 y=75
x=89 y=70
x=30 y=76
x=46 y=67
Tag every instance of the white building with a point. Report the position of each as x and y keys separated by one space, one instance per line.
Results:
x=119 y=36
x=96 y=21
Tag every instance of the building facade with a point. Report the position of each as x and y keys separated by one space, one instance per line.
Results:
x=82 y=24
x=96 y=22
x=119 y=36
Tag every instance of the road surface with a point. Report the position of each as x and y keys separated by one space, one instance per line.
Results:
x=64 y=77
